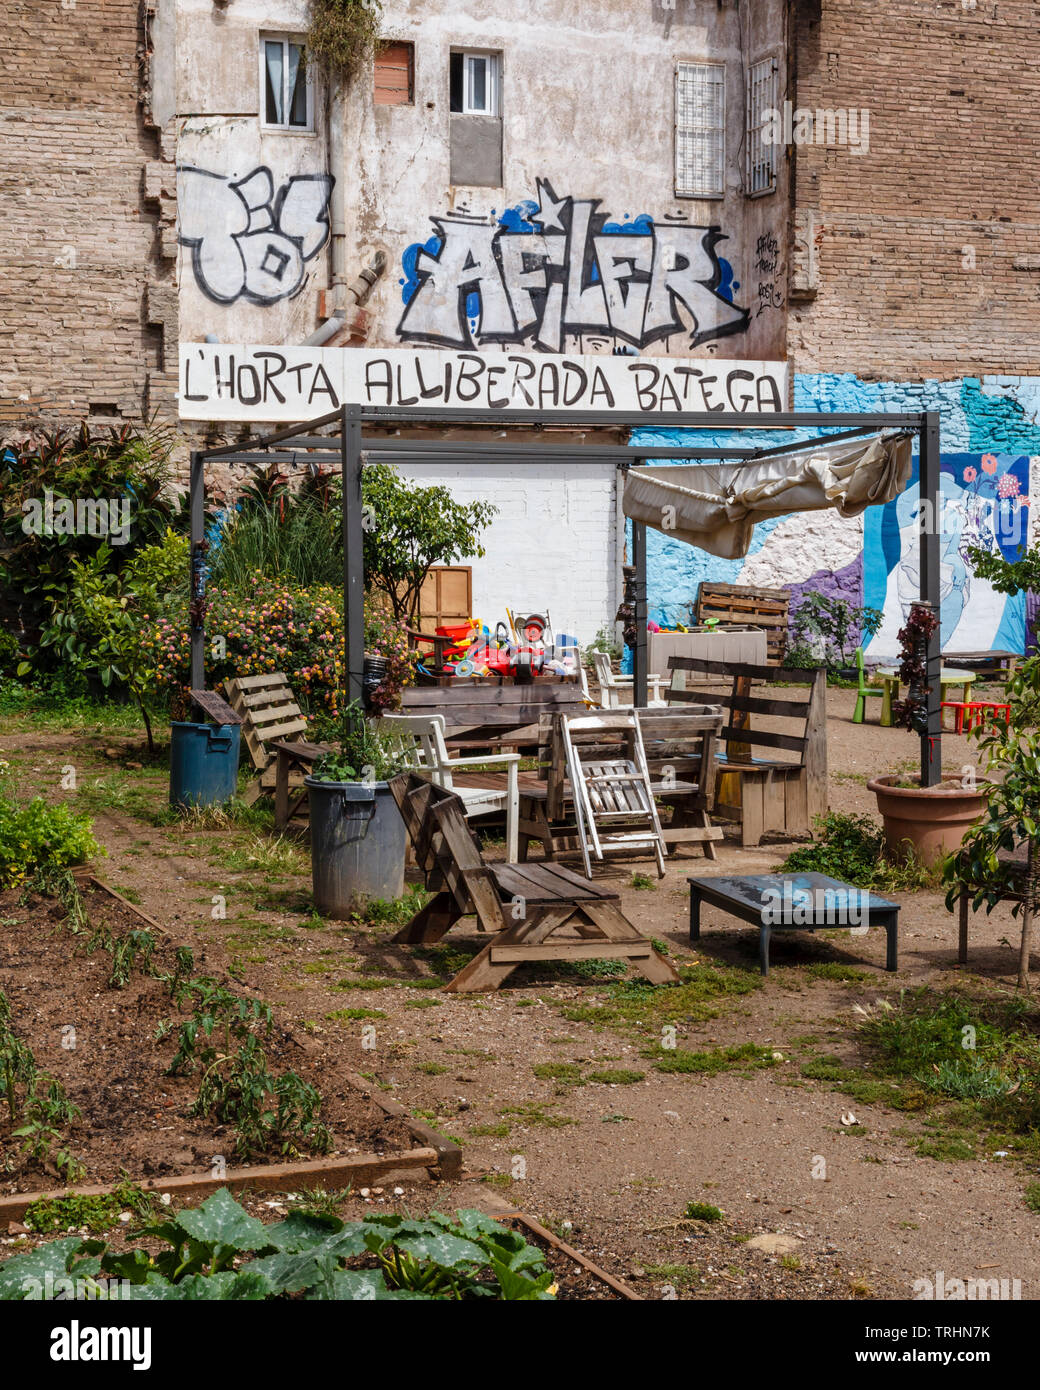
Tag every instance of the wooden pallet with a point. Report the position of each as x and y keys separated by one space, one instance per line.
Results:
x=742 y=604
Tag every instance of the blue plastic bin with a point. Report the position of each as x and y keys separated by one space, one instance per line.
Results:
x=203 y=763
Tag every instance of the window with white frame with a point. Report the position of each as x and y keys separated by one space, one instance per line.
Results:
x=700 y=130
x=761 y=155
x=475 y=83
x=286 y=89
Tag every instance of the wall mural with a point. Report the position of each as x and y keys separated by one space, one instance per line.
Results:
x=248 y=239
x=990 y=448
x=985 y=500
x=556 y=267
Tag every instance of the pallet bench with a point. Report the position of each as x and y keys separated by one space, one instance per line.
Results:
x=765 y=792
x=272 y=725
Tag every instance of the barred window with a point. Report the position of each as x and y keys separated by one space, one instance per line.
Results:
x=700 y=130
x=761 y=156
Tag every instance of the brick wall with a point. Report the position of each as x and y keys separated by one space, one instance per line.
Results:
x=80 y=242
x=895 y=292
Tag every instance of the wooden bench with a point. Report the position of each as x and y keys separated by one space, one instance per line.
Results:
x=767 y=793
x=272 y=723
x=550 y=899
x=739 y=604
x=489 y=714
x=680 y=747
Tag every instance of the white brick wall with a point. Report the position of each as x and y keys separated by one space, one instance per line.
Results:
x=552 y=544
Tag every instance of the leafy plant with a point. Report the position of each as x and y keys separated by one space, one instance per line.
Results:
x=128 y=464
x=364 y=754
x=219 y=1251
x=914 y=636
x=35 y=836
x=851 y=848
x=833 y=625
x=343 y=33
x=135 y=947
x=1012 y=818
x=97 y=627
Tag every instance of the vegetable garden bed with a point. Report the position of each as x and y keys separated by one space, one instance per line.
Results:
x=102 y=1004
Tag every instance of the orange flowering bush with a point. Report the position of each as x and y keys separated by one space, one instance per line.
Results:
x=277 y=628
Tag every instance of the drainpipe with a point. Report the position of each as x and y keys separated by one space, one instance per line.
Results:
x=344 y=297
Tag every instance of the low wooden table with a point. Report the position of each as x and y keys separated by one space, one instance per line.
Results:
x=760 y=898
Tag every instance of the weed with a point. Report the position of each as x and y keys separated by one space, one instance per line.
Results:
x=346 y=1015
x=499 y=1131
x=642 y=881
x=851 y=848
x=617 y=1076
x=536 y=1115
x=679 y=1276
x=702 y=1211
x=1031 y=1197
x=431 y=1068
x=568 y=1072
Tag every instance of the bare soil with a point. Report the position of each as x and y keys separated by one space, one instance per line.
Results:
x=611 y=1167
x=100 y=1042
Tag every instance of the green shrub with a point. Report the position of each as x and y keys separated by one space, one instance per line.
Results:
x=34 y=835
x=852 y=848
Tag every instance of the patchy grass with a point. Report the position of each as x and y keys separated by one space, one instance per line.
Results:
x=742 y=1057
x=1031 y=1197
x=835 y=970
x=499 y=1131
x=346 y=1015
x=638 y=1005
x=568 y=1072
x=275 y=857
x=679 y=1276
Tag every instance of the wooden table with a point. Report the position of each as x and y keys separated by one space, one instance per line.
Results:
x=762 y=899
x=889 y=677
x=995 y=665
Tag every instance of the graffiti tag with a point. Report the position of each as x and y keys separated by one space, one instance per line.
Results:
x=249 y=240
x=556 y=267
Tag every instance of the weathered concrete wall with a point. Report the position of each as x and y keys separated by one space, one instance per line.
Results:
x=79 y=244
x=588 y=116
x=252 y=203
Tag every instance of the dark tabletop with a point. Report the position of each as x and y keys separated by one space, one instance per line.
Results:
x=747 y=889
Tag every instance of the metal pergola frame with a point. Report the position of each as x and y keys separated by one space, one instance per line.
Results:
x=346 y=444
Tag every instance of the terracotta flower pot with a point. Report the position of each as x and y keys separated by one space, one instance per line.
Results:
x=929 y=821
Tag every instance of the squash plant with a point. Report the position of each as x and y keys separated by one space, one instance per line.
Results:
x=219 y=1251
x=1012 y=750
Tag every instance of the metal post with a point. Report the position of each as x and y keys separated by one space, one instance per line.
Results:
x=639 y=684
x=930 y=498
x=196 y=614
x=353 y=554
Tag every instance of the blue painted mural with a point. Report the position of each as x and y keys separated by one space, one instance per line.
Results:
x=990 y=436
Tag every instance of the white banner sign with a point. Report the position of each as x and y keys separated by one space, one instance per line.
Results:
x=285 y=384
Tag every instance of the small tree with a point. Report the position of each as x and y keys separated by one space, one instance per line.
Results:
x=98 y=627
x=1013 y=816
x=408 y=529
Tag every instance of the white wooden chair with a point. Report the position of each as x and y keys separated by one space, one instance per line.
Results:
x=613 y=797
x=612 y=688
x=422 y=739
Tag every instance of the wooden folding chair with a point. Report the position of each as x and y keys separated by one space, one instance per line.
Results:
x=525 y=907
x=613 y=798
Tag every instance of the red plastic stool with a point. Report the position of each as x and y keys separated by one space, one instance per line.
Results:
x=974 y=712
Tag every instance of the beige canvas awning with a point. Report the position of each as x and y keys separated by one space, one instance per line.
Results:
x=715 y=506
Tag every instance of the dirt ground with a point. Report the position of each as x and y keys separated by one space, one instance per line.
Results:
x=611 y=1165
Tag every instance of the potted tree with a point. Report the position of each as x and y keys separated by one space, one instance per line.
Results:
x=357 y=834
x=926 y=822
x=1012 y=822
